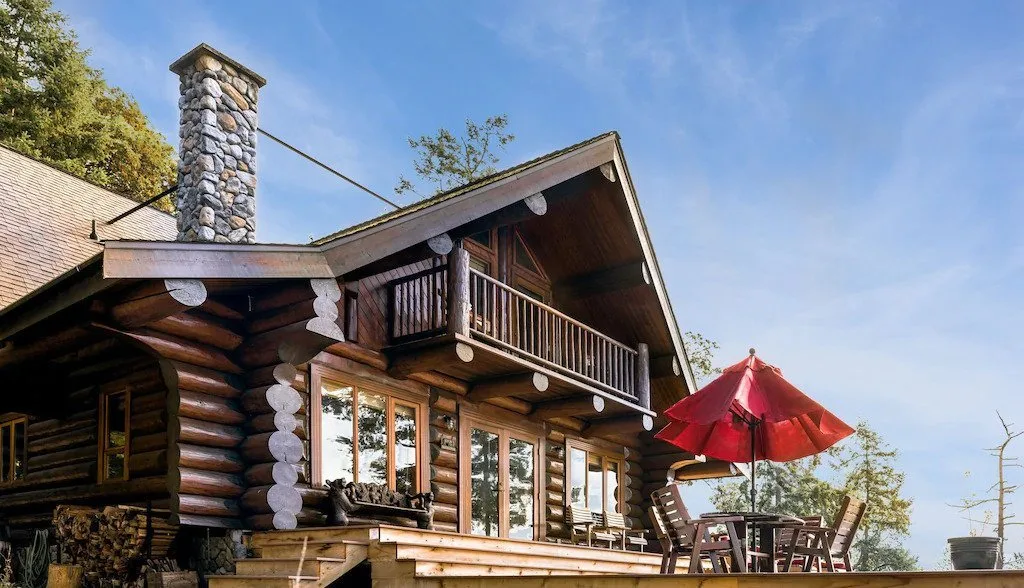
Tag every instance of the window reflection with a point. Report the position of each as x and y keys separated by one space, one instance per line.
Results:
x=405 y=448
x=520 y=489
x=373 y=438
x=336 y=432
x=483 y=447
x=577 y=475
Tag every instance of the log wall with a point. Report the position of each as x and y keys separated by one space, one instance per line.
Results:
x=444 y=460
x=63 y=452
x=289 y=327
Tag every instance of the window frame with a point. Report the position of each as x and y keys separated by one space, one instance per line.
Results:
x=484 y=420
x=394 y=397
x=606 y=455
x=104 y=436
x=11 y=439
x=486 y=254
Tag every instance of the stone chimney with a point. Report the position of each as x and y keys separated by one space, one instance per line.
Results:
x=217 y=159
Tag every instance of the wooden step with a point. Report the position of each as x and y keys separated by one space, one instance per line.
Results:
x=564 y=563
x=293 y=549
x=274 y=566
x=263 y=581
x=315 y=534
x=393 y=535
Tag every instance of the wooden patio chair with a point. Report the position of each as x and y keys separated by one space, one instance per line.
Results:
x=615 y=523
x=825 y=545
x=784 y=536
x=584 y=528
x=692 y=537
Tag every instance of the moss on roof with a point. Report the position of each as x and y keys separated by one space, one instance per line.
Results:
x=443 y=196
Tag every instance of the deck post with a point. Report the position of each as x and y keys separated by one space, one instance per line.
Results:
x=643 y=375
x=458 y=291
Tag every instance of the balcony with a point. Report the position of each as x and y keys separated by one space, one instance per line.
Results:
x=454 y=302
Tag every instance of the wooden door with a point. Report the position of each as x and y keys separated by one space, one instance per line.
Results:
x=499 y=481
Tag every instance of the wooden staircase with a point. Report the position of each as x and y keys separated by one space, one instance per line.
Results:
x=294 y=561
x=410 y=557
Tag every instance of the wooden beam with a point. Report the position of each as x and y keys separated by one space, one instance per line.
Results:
x=429 y=359
x=537 y=204
x=665 y=366
x=576 y=406
x=619 y=425
x=503 y=386
x=603 y=281
x=458 y=292
x=156 y=300
x=433 y=247
x=643 y=376
x=608 y=171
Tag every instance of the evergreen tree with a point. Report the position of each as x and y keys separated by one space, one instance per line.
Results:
x=869 y=465
x=863 y=466
x=56 y=108
x=448 y=161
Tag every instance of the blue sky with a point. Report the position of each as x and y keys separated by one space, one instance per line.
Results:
x=836 y=184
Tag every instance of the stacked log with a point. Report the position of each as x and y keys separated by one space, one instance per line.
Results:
x=554 y=491
x=201 y=458
x=62 y=464
x=444 y=460
x=113 y=544
x=290 y=326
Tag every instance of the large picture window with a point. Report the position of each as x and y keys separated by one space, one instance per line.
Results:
x=595 y=478
x=114 y=426
x=365 y=433
x=12 y=450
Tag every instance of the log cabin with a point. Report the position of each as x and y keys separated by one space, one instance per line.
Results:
x=508 y=345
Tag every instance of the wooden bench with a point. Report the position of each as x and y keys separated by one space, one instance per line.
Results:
x=615 y=523
x=371 y=501
x=583 y=527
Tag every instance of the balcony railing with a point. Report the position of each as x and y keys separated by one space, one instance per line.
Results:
x=458 y=299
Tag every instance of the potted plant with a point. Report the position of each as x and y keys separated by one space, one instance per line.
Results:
x=977 y=551
x=986 y=552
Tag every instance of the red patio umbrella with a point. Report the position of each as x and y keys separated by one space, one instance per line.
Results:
x=751 y=412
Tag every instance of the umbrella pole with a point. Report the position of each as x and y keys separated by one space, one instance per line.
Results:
x=753 y=466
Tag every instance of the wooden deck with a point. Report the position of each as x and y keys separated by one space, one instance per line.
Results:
x=977 y=579
x=401 y=557
x=386 y=557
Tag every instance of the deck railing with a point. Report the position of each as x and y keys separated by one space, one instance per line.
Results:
x=416 y=305
x=456 y=298
x=513 y=320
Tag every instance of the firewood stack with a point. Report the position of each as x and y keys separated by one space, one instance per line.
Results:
x=110 y=543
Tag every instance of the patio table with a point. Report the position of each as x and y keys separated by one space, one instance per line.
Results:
x=766 y=523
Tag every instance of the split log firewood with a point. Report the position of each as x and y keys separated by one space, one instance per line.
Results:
x=115 y=546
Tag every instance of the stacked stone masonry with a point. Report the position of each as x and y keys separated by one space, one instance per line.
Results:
x=217 y=166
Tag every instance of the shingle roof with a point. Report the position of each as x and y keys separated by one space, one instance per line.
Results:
x=427 y=202
x=45 y=220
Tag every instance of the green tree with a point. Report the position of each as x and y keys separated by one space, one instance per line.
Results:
x=870 y=473
x=701 y=352
x=793 y=488
x=864 y=466
x=56 y=108
x=447 y=161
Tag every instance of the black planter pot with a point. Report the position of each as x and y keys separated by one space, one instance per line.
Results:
x=974 y=553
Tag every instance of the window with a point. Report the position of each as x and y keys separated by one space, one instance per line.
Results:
x=115 y=410
x=365 y=433
x=594 y=478
x=483 y=252
x=12 y=450
x=499 y=489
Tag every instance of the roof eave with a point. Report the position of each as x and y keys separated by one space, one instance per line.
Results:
x=163 y=259
x=396 y=234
